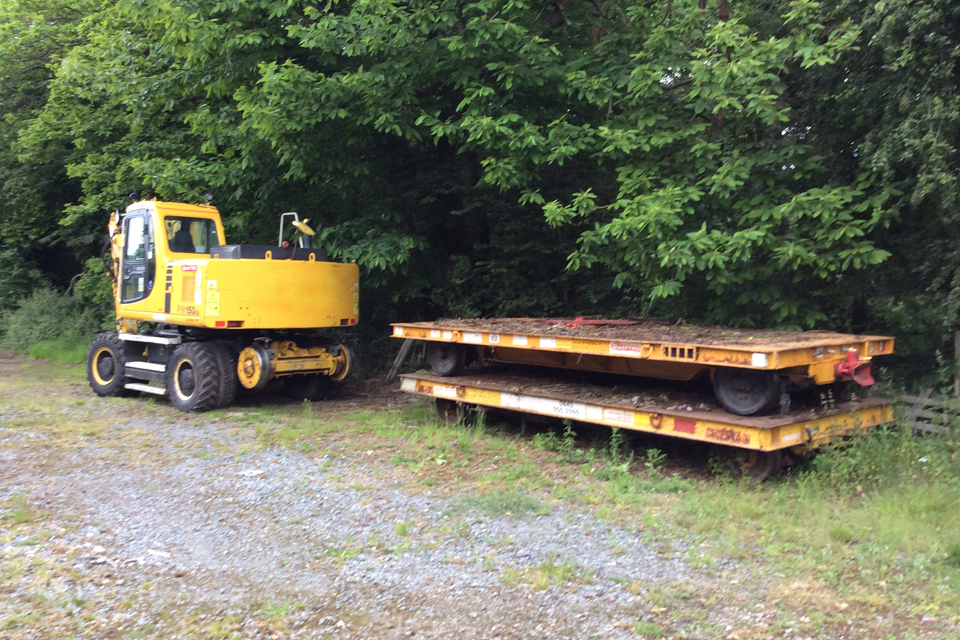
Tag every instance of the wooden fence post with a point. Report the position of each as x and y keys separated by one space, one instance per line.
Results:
x=956 y=355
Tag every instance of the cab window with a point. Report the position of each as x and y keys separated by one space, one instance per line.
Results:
x=190 y=235
x=139 y=260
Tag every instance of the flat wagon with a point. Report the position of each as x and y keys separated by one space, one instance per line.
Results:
x=761 y=444
x=752 y=371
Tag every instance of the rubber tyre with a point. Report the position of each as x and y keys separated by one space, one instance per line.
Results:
x=445 y=358
x=746 y=392
x=308 y=387
x=106 y=365
x=193 y=377
x=227 y=365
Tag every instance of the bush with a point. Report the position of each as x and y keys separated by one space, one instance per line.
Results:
x=48 y=317
x=889 y=456
x=18 y=277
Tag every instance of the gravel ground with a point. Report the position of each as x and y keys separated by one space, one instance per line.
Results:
x=231 y=532
x=143 y=522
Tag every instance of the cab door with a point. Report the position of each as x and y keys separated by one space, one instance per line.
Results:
x=138 y=270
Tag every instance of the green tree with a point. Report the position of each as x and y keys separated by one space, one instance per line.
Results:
x=658 y=131
x=890 y=107
x=735 y=163
x=34 y=35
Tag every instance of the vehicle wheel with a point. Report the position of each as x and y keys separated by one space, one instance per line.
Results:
x=227 y=369
x=105 y=365
x=448 y=411
x=346 y=370
x=749 y=463
x=445 y=358
x=193 y=377
x=308 y=387
x=746 y=392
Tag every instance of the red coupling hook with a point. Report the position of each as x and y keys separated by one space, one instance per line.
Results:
x=850 y=368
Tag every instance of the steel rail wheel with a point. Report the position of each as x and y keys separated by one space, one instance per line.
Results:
x=746 y=392
x=345 y=364
x=105 y=365
x=445 y=358
x=755 y=465
x=254 y=367
x=447 y=411
x=193 y=377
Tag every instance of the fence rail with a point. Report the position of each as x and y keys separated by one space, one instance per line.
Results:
x=931 y=415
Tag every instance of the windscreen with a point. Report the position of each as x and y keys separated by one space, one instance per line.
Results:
x=190 y=235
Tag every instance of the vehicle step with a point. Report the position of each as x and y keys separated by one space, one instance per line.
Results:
x=146 y=388
x=147 y=366
x=137 y=337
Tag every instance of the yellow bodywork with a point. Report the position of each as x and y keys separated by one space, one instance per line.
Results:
x=815 y=359
x=800 y=431
x=193 y=289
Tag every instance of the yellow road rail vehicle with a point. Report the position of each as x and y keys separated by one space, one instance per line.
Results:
x=760 y=444
x=752 y=371
x=197 y=318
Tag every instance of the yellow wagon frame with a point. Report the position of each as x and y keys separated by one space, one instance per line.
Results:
x=814 y=357
x=799 y=432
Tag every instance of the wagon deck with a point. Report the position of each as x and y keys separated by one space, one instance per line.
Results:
x=624 y=405
x=752 y=370
x=652 y=340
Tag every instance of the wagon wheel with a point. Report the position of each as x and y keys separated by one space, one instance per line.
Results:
x=746 y=392
x=446 y=358
x=447 y=411
x=748 y=463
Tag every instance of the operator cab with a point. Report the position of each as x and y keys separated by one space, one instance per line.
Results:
x=187 y=234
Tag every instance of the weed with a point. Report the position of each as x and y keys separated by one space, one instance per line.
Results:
x=501 y=503
x=19 y=512
x=953 y=551
x=567 y=450
x=461 y=528
x=341 y=554
x=840 y=534
x=402 y=529
x=282 y=610
x=549 y=573
x=480 y=422
x=617 y=444
x=648 y=629
x=547 y=441
x=465 y=442
x=656 y=461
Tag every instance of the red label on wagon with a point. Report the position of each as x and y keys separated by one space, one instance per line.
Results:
x=189 y=267
x=684 y=426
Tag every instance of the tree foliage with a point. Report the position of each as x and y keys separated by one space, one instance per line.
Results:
x=773 y=162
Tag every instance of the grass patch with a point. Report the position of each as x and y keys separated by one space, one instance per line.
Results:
x=19 y=512
x=500 y=503
x=648 y=629
x=549 y=573
x=64 y=350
